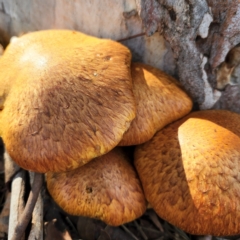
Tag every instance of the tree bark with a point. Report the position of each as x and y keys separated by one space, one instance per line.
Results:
x=198 y=32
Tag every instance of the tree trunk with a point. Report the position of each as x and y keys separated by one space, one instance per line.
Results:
x=200 y=34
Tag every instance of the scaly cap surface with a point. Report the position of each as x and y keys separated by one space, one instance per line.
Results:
x=106 y=188
x=190 y=172
x=159 y=100
x=63 y=95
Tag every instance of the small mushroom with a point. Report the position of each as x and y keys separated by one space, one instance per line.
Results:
x=106 y=188
x=64 y=95
x=160 y=101
x=190 y=172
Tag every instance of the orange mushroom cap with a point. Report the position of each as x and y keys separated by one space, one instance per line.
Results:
x=64 y=95
x=190 y=172
x=159 y=100
x=106 y=188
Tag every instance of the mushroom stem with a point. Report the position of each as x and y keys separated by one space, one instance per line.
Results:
x=27 y=213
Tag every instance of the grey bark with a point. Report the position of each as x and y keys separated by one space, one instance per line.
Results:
x=182 y=24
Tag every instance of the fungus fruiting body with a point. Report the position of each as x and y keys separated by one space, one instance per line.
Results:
x=190 y=172
x=106 y=188
x=64 y=95
x=160 y=100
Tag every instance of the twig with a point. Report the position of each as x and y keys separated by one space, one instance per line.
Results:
x=129 y=232
x=37 y=216
x=155 y=220
x=131 y=37
x=152 y=230
x=17 y=202
x=71 y=225
x=140 y=230
x=27 y=213
x=180 y=232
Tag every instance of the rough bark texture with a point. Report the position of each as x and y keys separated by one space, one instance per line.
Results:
x=179 y=25
x=185 y=26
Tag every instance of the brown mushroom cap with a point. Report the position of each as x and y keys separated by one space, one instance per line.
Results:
x=106 y=188
x=160 y=101
x=64 y=95
x=190 y=172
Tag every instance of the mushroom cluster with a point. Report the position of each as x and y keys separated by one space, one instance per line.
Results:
x=69 y=103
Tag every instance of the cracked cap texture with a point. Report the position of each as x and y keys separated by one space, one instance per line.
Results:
x=63 y=95
x=190 y=172
x=106 y=188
